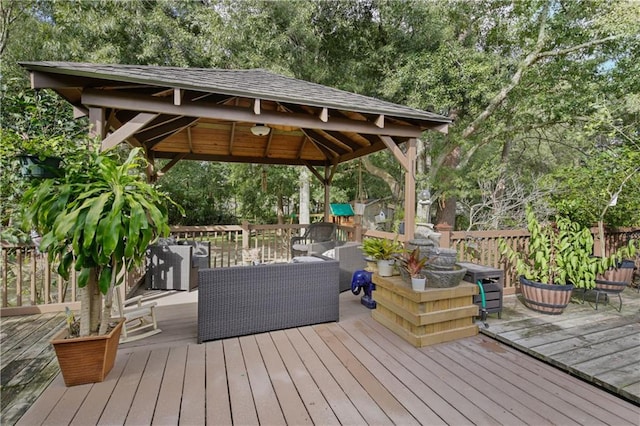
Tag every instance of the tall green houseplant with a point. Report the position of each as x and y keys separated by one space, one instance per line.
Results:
x=559 y=253
x=99 y=218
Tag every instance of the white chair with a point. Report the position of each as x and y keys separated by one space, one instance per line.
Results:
x=140 y=318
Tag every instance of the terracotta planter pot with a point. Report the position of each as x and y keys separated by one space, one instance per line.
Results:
x=86 y=359
x=549 y=299
x=616 y=279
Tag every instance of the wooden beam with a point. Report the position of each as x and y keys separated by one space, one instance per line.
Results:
x=318 y=138
x=128 y=129
x=442 y=128
x=166 y=129
x=256 y=159
x=380 y=121
x=256 y=106
x=232 y=137
x=268 y=146
x=177 y=96
x=314 y=171
x=232 y=113
x=410 y=191
x=189 y=139
x=344 y=140
x=302 y=145
x=172 y=163
x=97 y=122
x=79 y=112
x=397 y=152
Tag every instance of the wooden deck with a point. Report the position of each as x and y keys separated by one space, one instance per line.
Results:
x=601 y=346
x=352 y=372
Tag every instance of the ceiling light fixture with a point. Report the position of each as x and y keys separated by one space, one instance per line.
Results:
x=260 y=130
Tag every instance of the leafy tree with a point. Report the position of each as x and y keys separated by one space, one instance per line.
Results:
x=203 y=190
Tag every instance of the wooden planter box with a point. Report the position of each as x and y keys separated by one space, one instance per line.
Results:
x=86 y=359
x=427 y=317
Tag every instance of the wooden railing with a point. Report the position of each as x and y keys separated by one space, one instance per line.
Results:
x=30 y=284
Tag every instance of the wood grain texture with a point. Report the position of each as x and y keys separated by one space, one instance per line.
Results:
x=353 y=371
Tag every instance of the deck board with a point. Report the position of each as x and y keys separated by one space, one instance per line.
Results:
x=340 y=403
x=425 y=403
x=374 y=389
x=243 y=409
x=291 y=404
x=168 y=403
x=317 y=406
x=600 y=346
x=217 y=398
x=438 y=381
x=266 y=402
x=192 y=408
x=355 y=371
x=144 y=402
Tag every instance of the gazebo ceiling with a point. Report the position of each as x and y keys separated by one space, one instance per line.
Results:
x=207 y=114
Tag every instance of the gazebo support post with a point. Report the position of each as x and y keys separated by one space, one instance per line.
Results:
x=410 y=191
x=408 y=162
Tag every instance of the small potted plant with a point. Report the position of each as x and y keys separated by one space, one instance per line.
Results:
x=99 y=218
x=382 y=251
x=411 y=264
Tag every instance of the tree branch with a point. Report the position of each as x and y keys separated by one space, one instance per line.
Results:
x=561 y=52
x=534 y=56
x=497 y=100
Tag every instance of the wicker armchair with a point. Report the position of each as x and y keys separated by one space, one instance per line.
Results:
x=323 y=232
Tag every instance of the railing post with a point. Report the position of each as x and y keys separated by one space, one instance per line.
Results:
x=246 y=234
x=357 y=233
x=445 y=230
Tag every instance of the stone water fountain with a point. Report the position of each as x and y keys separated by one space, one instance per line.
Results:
x=441 y=269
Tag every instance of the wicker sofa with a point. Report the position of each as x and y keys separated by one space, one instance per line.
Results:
x=242 y=300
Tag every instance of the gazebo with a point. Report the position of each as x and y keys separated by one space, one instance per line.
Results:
x=246 y=116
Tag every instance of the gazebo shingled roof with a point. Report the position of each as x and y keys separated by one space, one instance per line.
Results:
x=207 y=114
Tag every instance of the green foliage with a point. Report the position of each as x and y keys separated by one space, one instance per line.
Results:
x=203 y=191
x=451 y=57
x=13 y=185
x=381 y=248
x=560 y=253
x=100 y=214
x=609 y=172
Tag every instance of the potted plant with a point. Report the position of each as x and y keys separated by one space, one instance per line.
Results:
x=382 y=251
x=559 y=258
x=616 y=272
x=411 y=264
x=98 y=218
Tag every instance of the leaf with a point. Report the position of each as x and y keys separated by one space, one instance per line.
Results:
x=83 y=277
x=104 y=280
x=93 y=217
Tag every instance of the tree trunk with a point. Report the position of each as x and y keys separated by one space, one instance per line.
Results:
x=446 y=211
x=90 y=305
x=303 y=215
x=392 y=183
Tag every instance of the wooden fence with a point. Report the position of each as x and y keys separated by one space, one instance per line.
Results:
x=30 y=284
